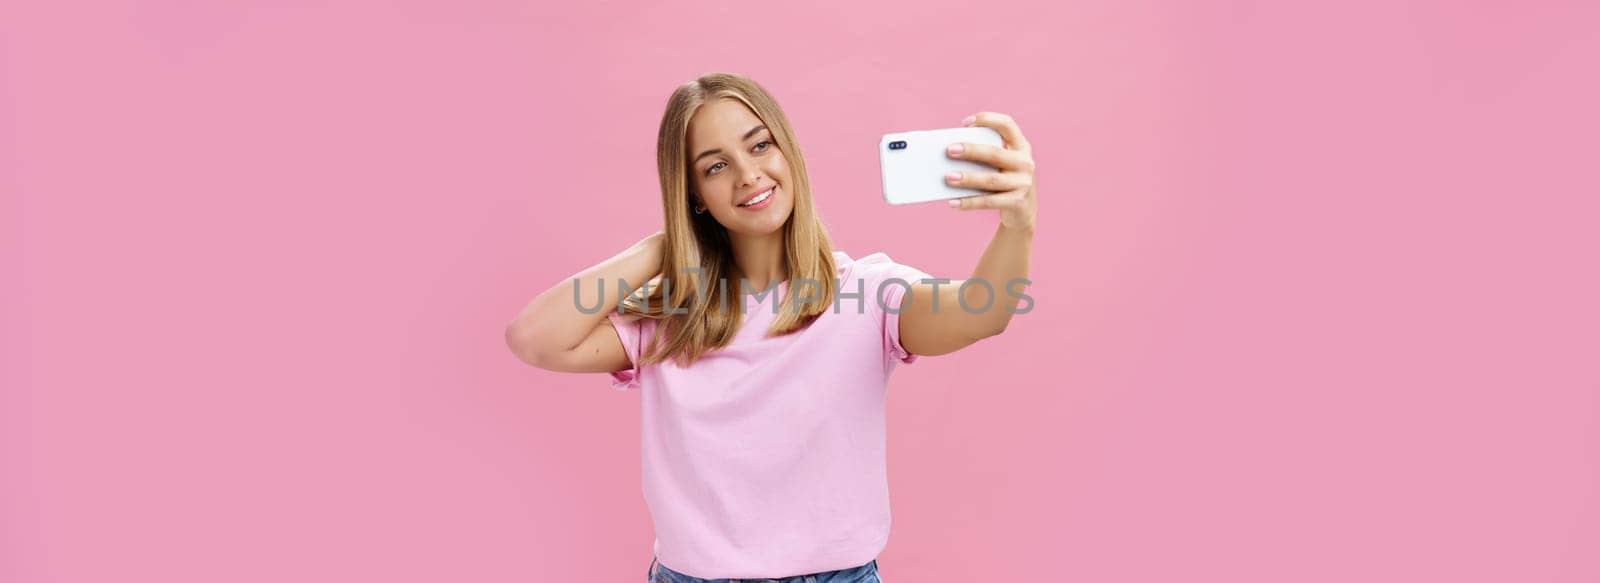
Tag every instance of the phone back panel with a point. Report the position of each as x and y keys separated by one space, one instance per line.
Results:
x=916 y=172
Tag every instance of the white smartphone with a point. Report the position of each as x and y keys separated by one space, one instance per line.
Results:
x=914 y=163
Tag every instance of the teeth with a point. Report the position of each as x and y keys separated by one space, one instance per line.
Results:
x=758 y=199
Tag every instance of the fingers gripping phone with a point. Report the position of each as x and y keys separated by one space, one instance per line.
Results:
x=914 y=163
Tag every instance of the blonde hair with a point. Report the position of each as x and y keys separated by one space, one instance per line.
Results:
x=697 y=241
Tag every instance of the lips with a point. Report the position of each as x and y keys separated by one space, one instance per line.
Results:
x=758 y=197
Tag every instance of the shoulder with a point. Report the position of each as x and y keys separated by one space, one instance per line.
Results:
x=874 y=266
x=868 y=265
x=629 y=323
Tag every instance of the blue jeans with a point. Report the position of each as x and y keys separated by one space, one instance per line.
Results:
x=868 y=573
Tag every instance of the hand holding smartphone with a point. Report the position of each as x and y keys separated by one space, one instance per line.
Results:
x=914 y=163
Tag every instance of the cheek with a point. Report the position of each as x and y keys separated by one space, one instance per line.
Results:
x=706 y=188
x=779 y=167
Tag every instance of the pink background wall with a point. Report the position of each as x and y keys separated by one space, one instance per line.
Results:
x=1315 y=284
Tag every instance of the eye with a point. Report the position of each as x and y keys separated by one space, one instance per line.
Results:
x=762 y=147
x=714 y=168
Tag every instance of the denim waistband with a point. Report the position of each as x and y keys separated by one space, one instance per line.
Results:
x=652 y=575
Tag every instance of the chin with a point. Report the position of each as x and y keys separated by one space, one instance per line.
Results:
x=763 y=226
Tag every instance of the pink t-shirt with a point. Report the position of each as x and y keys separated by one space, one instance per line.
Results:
x=766 y=458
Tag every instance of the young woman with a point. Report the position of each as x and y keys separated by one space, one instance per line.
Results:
x=763 y=413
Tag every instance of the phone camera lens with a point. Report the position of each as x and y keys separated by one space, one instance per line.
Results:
x=897 y=145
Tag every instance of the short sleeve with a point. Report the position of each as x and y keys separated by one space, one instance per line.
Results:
x=631 y=331
x=887 y=281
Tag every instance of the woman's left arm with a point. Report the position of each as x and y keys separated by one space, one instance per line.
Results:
x=938 y=318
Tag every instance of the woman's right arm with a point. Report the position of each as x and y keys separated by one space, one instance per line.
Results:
x=552 y=334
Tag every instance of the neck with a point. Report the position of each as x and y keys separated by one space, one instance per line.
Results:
x=760 y=258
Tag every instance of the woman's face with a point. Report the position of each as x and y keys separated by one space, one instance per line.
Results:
x=734 y=160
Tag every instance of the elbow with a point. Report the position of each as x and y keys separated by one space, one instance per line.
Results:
x=525 y=347
x=986 y=322
x=973 y=335
x=518 y=344
x=992 y=330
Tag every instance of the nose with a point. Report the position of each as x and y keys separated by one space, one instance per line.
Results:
x=752 y=175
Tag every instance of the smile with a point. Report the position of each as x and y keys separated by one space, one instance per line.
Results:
x=759 y=200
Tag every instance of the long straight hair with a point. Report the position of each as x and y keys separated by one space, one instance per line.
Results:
x=698 y=242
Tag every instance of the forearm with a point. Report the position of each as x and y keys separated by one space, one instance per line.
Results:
x=560 y=318
x=989 y=298
x=1003 y=264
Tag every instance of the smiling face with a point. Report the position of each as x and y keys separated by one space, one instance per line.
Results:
x=737 y=170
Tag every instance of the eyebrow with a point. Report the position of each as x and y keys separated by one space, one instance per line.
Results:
x=747 y=135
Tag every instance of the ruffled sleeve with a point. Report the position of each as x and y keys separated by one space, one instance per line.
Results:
x=888 y=281
x=631 y=330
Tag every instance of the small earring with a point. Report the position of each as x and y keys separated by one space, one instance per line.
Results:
x=699 y=210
